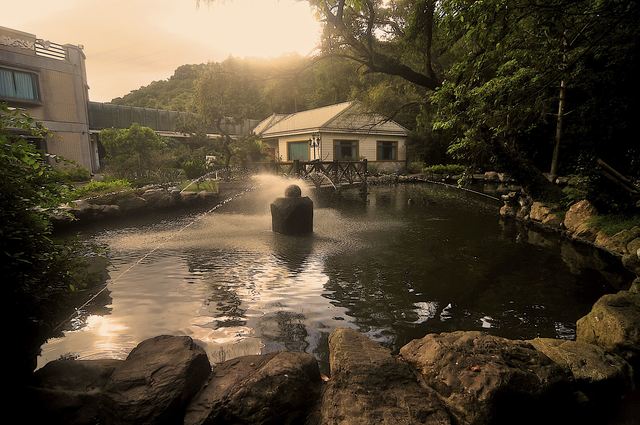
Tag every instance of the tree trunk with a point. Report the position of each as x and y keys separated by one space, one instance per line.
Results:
x=531 y=178
x=560 y=117
x=556 y=147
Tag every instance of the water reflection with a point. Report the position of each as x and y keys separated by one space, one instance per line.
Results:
x=410 y=260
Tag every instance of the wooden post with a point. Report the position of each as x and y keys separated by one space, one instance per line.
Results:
x=296 y=167
x=364 y=177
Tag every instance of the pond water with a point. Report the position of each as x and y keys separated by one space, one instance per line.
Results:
x=409 y=260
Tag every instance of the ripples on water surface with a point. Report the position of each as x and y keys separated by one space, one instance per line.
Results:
x=411 y=260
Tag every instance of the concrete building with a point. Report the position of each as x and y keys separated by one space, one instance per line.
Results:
x=49 y=82
x=344 y=132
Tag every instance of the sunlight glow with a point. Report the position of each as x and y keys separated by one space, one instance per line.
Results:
x=129 y=43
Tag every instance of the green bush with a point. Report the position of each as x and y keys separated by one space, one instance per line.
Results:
x=95 y=188
x=71 y=172
x=133 y=153
x=415 y=167
x=614 y=223
x=445 y=169
x=35 y=268
x=194 y=168
x=207 y=185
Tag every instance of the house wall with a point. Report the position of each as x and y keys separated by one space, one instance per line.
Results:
x=63 y=92
x=367 y=147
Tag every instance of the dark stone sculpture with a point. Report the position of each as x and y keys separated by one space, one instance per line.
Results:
x=293 y=214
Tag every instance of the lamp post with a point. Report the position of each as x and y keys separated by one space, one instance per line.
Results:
x=314 y=142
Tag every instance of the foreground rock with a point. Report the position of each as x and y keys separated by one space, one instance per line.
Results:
x=596 y=372
x=69 y=391
x=277 y=388
x=613 y=324
x=156 y=381
x=489 y=380
x=369 y=386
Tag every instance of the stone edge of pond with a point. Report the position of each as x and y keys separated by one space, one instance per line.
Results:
x=146 y=199
x=462 y=377
x=576 y=226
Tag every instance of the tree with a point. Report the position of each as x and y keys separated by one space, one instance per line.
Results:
x=225 y=95
x=132 y=152
x=490 y=69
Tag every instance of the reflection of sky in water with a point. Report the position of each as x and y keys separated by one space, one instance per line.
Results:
x=393 y=268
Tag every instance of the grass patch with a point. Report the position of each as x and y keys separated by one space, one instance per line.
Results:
x=95 y=188
x=207 y=185
x=445 y=169
x=614 y=223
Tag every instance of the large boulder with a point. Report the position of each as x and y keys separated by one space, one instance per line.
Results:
x=370 y=386
x=69 y=391
x=614 y=324
x=158 y=197
x=577 y=220
x=130 y=201
x=595 y=371
x=156 y=381
x=544 y=214
x=278 y=388
x=486 y=379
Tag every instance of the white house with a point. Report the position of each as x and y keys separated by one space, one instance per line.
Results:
x=344 y=132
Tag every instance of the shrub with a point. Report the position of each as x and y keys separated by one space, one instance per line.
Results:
x=415 y=167
x=194 y=168
x=35 y=268
x=95 y=188
x=70 y=172
x=614 y=223
x=134 y=152
x=445 y=169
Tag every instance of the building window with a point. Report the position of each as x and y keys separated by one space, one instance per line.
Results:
x=387 y=151
x=345 y=150
x=18 y=85
x=298 y=150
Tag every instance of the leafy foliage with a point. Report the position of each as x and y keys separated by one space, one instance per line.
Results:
x=132 y=153
x=36 y=269
x=95 y=188
x=445 y=169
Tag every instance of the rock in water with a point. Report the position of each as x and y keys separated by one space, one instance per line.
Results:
x=292 y=215
x=614 y=324
x=156 y=381
x=370 y=386
x=485 y=379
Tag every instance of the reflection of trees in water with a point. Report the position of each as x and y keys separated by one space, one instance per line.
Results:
x=223 y=295
x=99 y=306
x=487 y=278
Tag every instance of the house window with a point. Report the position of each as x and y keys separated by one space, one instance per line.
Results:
x=345 y=150
x=298 y=150
x=18 y=85
x=387 y=151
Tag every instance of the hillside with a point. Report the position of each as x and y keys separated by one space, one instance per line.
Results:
x=286 y=84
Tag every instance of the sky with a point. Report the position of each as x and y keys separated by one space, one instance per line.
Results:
x=129 y=43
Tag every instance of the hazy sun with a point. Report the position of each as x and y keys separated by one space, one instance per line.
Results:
x=129 y=43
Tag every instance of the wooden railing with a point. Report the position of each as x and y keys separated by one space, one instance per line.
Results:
x=338 y=172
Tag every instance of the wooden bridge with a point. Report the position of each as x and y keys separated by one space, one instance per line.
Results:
x=335 y=173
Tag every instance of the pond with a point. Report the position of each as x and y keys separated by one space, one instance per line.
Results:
x=408 y=260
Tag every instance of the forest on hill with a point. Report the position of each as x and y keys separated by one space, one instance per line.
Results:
x=523 y=86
